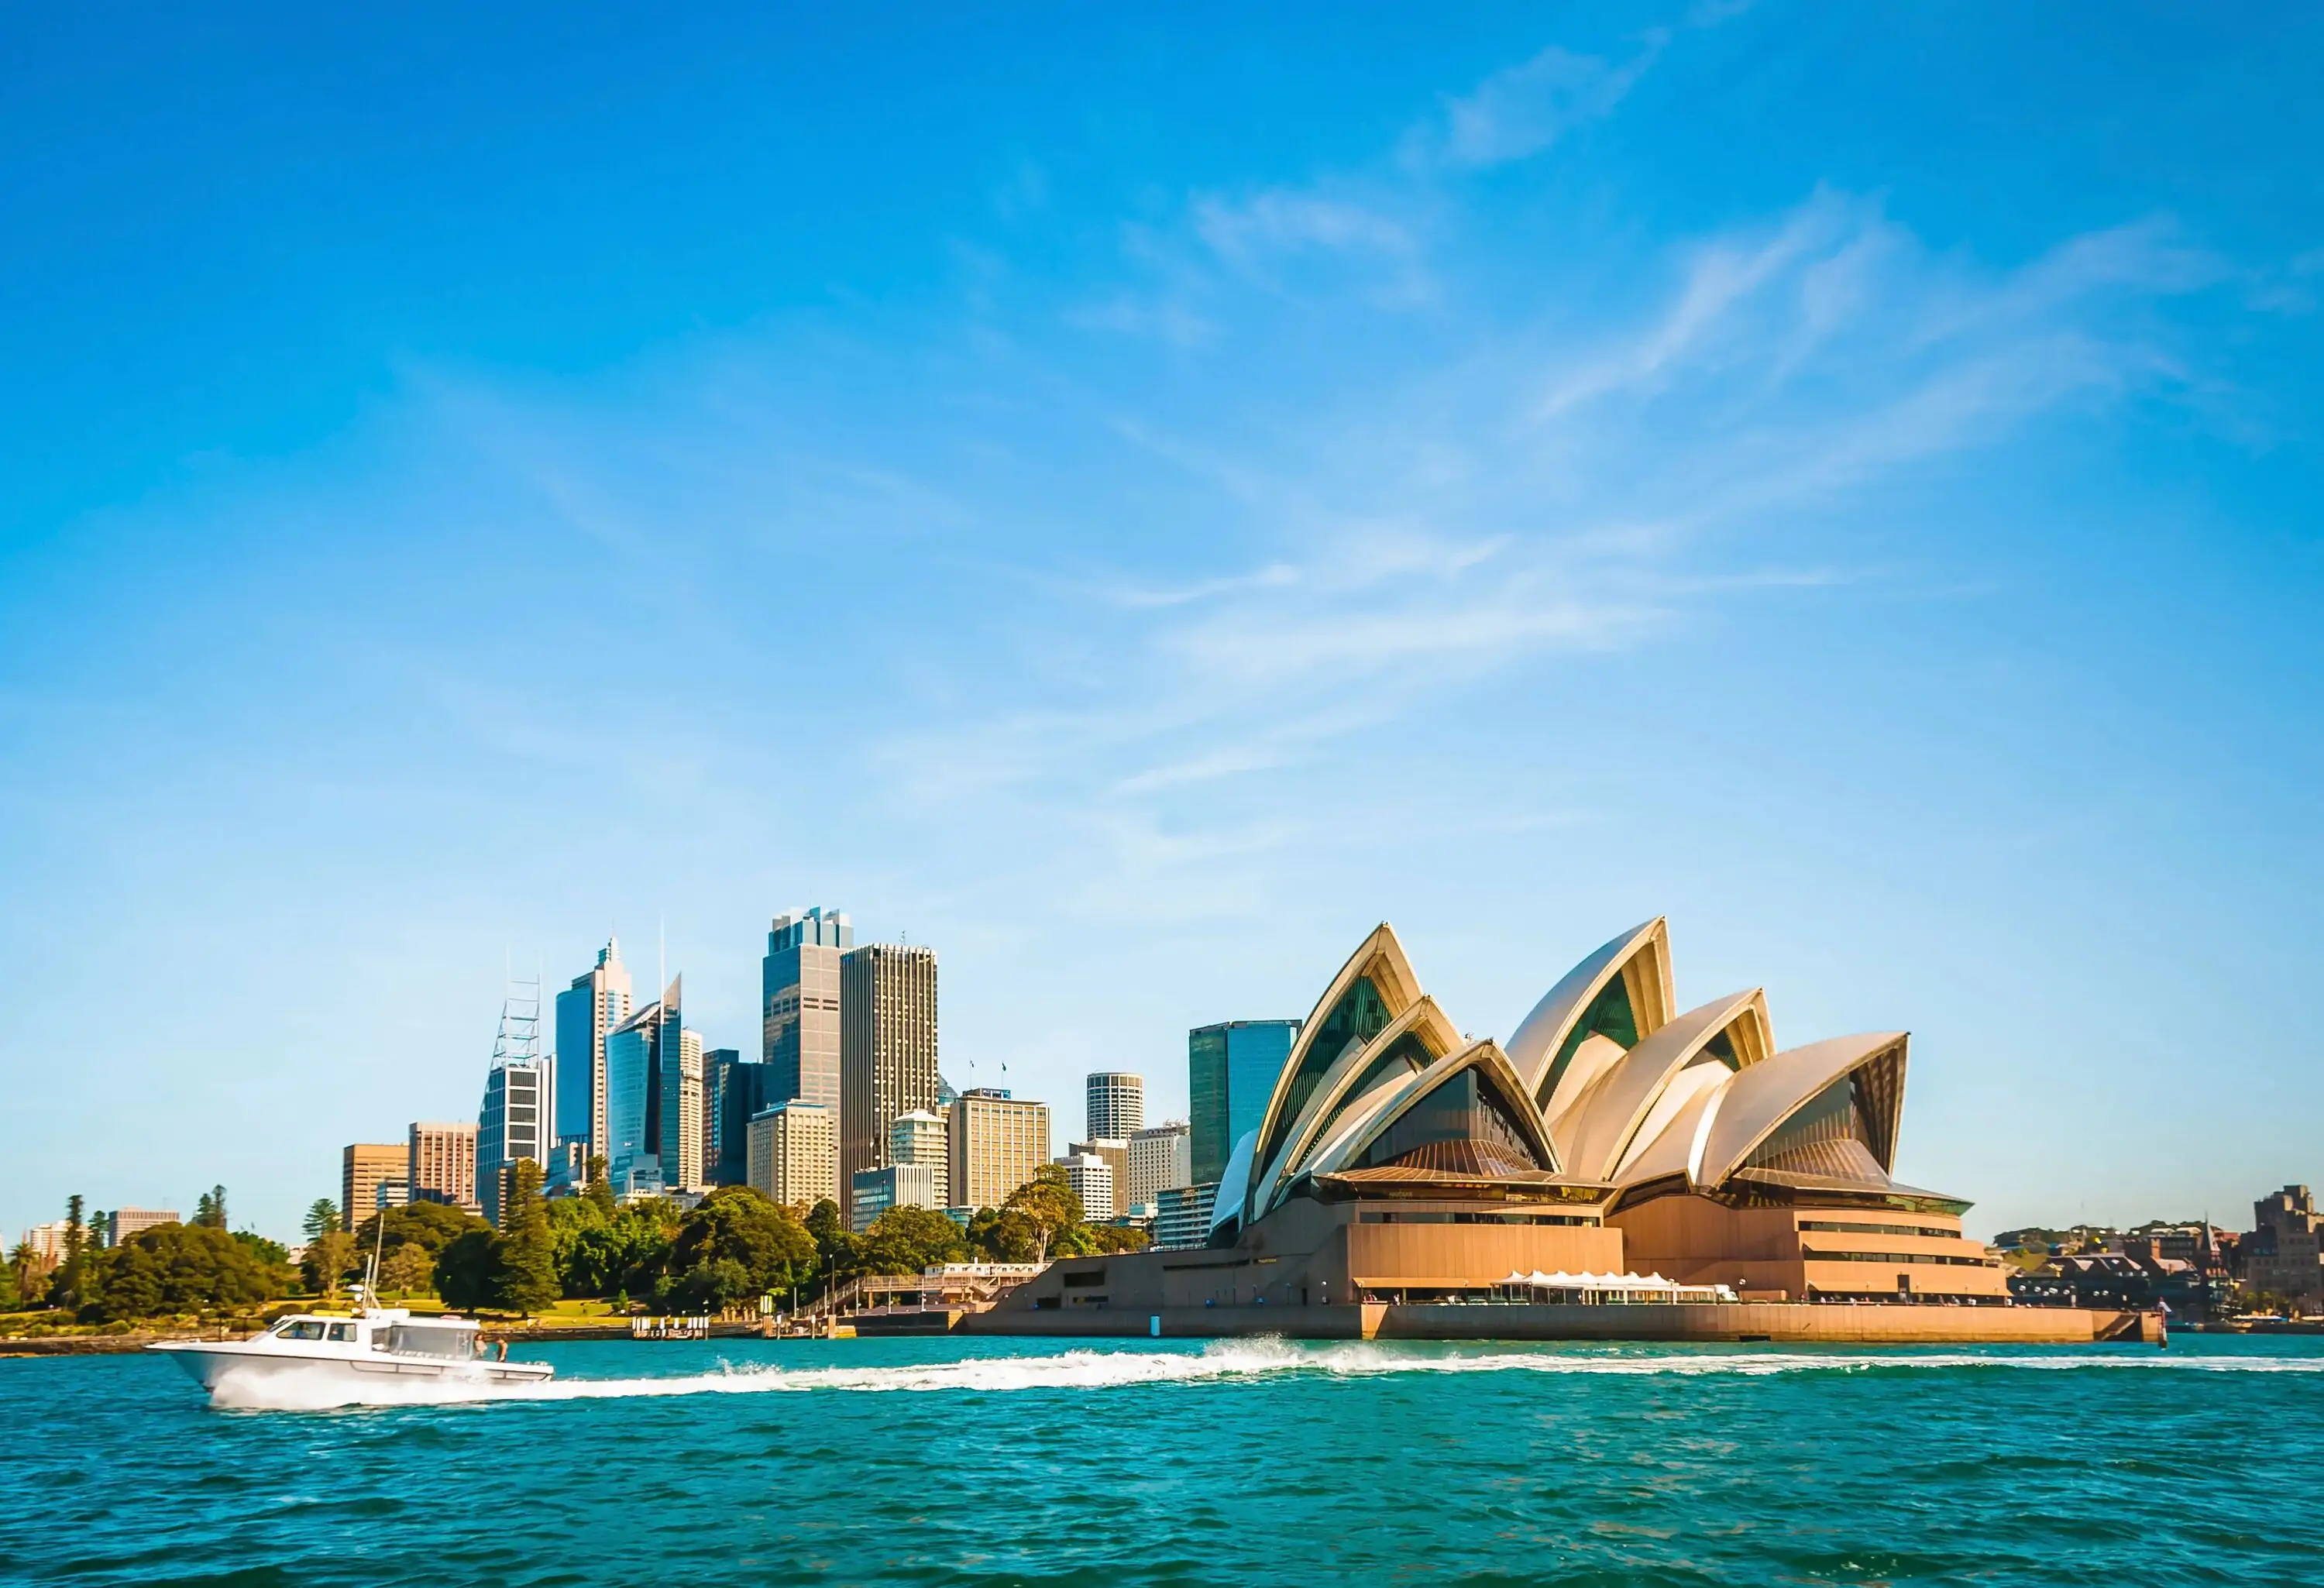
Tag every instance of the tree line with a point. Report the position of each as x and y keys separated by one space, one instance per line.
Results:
x=732 y=1247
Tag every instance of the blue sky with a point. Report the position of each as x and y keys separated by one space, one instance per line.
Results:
x=1134 y=496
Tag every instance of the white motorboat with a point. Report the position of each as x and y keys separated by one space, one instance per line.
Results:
x=374 y=1343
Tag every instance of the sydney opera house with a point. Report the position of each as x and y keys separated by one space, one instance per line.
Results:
x=1402 y=1166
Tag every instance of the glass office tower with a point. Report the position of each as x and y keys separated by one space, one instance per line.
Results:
x=1230 y=1072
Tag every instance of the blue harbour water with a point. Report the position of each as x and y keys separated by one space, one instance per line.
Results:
x=991 y=1461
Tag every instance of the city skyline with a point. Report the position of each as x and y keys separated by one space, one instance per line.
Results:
x=1135 y=506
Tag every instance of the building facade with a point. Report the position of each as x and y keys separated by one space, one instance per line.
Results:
x=128 y=1221
x=587 y=1013
x=998 y=1143
x=440 y=1164
x=897 y=1185
x=793 y=1154
x=887 y=1047
x=1116 y=1154
x=1092 y=1179
x=1182 y=1216
x=653 y=1098
x=1159 y=1158
x=1230 y=1071
x=2284 y=1256
x=363 y=1166
x=1114 y=1105
x=923 y=1138
x=717 y=1065
x=799 y=983
x=513 y=1125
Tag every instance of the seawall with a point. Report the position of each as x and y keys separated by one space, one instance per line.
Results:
x=1791 y=1321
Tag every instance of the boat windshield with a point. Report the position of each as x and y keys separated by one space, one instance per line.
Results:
x=300 y=1329
x=428 y=1340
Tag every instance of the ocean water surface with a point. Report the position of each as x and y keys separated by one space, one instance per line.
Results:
x=1162 y=1461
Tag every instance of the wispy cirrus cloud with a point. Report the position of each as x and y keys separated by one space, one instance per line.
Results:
x=1518 y=113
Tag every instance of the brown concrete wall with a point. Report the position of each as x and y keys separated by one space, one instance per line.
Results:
x=1456 y=1255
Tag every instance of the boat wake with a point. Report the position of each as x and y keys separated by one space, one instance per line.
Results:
x=1222 y=1360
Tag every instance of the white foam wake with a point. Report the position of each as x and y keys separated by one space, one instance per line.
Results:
x=1225 y=1360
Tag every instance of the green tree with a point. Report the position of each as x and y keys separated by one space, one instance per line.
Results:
x=28 y=1273
x=464 y=1269
x=175 y=1269
x=907 y=1239
x=209 y=1208
x=329 y=1256
x=322 y=1214
x=838 y=1253
x=67 y=1285
x=736 y=1223
x=433 y=1224
x=713 y=1286
x=598 y=1191
x=604 y=1249
x=524 y=1253
x=410 y=1269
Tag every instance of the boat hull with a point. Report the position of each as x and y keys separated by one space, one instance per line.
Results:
x=213 y=1364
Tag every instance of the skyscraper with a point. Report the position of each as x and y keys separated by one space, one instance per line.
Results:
x=510 y=1125
x=517 y=1117
x=718 y=1066
x=363 y=1164
x=1230 y=1071
x=1116 y=1104
x=887 y=1047
x=799 y=983
x=996 y=1143
x=653 y=1098
x=587 y=1013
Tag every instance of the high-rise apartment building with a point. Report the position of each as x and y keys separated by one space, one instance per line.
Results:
x=799 y=983
x=793 y=1154
x=1116 y=1104
x=1092 y=1179
x=363 y=1164
x=998 y=1142
x=440 y=1161
x=887 y=1046
x=743 y=1090
x=511 y=1125
x=1159 y=1158
x=922 y=1139
x=1231 y=1073
x=587 y=1013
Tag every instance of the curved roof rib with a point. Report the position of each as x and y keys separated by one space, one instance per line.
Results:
x=1423 y=1034
x=1758 y=1100
x=1376 y=985
x=1728 y=1034
x=1493 y=1071
x=1543 y=1049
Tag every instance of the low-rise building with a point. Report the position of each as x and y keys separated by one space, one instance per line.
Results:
x=873 y=1192
x=1182 y=1215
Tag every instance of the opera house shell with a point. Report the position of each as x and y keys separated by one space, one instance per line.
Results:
x=1398 y=1161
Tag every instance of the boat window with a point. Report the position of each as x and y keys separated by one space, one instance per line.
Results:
x=345 y=1333
x=302 y=1329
